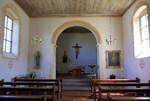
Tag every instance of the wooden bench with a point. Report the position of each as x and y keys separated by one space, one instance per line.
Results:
x=29 y=91
x=57 y=81
x=1 y=81
x=95 y=83
x=110 y=98
x=121 y=91
x=21 y=98
x=137 y=85
x=31 y=84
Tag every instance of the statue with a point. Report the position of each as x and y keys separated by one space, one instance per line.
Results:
x=65 y=57
x=37 y=59
x=76 y=47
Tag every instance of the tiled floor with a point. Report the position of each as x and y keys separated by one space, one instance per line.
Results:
x=76 y=96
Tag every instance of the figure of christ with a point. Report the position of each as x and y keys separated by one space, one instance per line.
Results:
x=76 y=47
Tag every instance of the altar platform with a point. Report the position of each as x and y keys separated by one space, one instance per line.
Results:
x=70 y=75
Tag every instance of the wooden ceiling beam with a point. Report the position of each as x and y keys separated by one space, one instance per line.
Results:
x=21 y=8
x=128 y=7
x=36 y=8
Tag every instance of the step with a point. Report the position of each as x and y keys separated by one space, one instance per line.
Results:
x=75 y=79
x=77 y=88
x=76 y=84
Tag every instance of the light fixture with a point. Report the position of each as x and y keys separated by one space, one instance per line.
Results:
x=37 y=39
x=109 y=39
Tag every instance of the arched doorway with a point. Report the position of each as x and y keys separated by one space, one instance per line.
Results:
x=76 y=50
x=66 y=25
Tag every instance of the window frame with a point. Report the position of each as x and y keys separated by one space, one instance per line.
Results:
x=138 y=13
x=11 y=11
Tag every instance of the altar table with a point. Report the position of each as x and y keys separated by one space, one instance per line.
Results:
x=76 y=71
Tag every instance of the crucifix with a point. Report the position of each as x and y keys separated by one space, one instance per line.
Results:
x=76 y=47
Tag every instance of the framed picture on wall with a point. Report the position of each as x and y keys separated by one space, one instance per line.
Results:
x=113 y=59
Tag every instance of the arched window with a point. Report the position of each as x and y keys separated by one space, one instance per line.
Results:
x=141 y=33
x=11 y=29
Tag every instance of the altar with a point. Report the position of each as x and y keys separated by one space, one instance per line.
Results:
x=76 y=71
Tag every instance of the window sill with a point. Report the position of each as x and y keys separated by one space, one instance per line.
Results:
x=145 y=54
x=9 y=56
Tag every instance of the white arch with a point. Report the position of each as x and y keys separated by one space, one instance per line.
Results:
x=66 y=25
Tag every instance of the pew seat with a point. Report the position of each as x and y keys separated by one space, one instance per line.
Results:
x=122 y=92
x=129 y=99
x=126 y=98
x=21 y=98
x=48 y=93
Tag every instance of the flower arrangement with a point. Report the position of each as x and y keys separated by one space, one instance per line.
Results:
x=92 y=65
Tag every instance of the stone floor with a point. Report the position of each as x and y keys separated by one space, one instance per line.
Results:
x=76 y=96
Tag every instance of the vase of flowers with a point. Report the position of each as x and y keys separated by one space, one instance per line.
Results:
x=92 y=66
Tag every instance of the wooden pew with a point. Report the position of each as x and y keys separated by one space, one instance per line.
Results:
x=110 y=98
x=31 y=84
x=1 y=81
x=96 y=83
x=137 y=85
x=57 y=81
x=28 y=91
x=21 y=98
x=145 y=91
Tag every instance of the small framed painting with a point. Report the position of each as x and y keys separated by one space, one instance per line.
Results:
x=113 y=59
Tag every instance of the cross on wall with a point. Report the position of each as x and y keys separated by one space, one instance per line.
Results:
x=77 y=47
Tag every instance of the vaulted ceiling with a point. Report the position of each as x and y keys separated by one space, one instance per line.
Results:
x=39 y=8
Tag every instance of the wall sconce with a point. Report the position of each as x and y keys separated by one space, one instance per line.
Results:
x=109 y=40
x=37 y=39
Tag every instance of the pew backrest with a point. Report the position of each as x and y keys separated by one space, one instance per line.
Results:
x=29 y=83
x=57 y=81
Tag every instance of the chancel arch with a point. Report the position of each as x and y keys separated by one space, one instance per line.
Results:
x=57 y=33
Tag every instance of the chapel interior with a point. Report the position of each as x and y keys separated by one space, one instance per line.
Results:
x=79 y=46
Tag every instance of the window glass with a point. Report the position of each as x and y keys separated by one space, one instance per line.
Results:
x=144 y=32
x=8 y=31
x=9 y=26
x=8 y=46
x=9 y=35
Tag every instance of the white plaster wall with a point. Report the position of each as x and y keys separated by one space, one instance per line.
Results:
x=10 y=68
x=46 y=26
x=87 y=54
x=132 y=65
